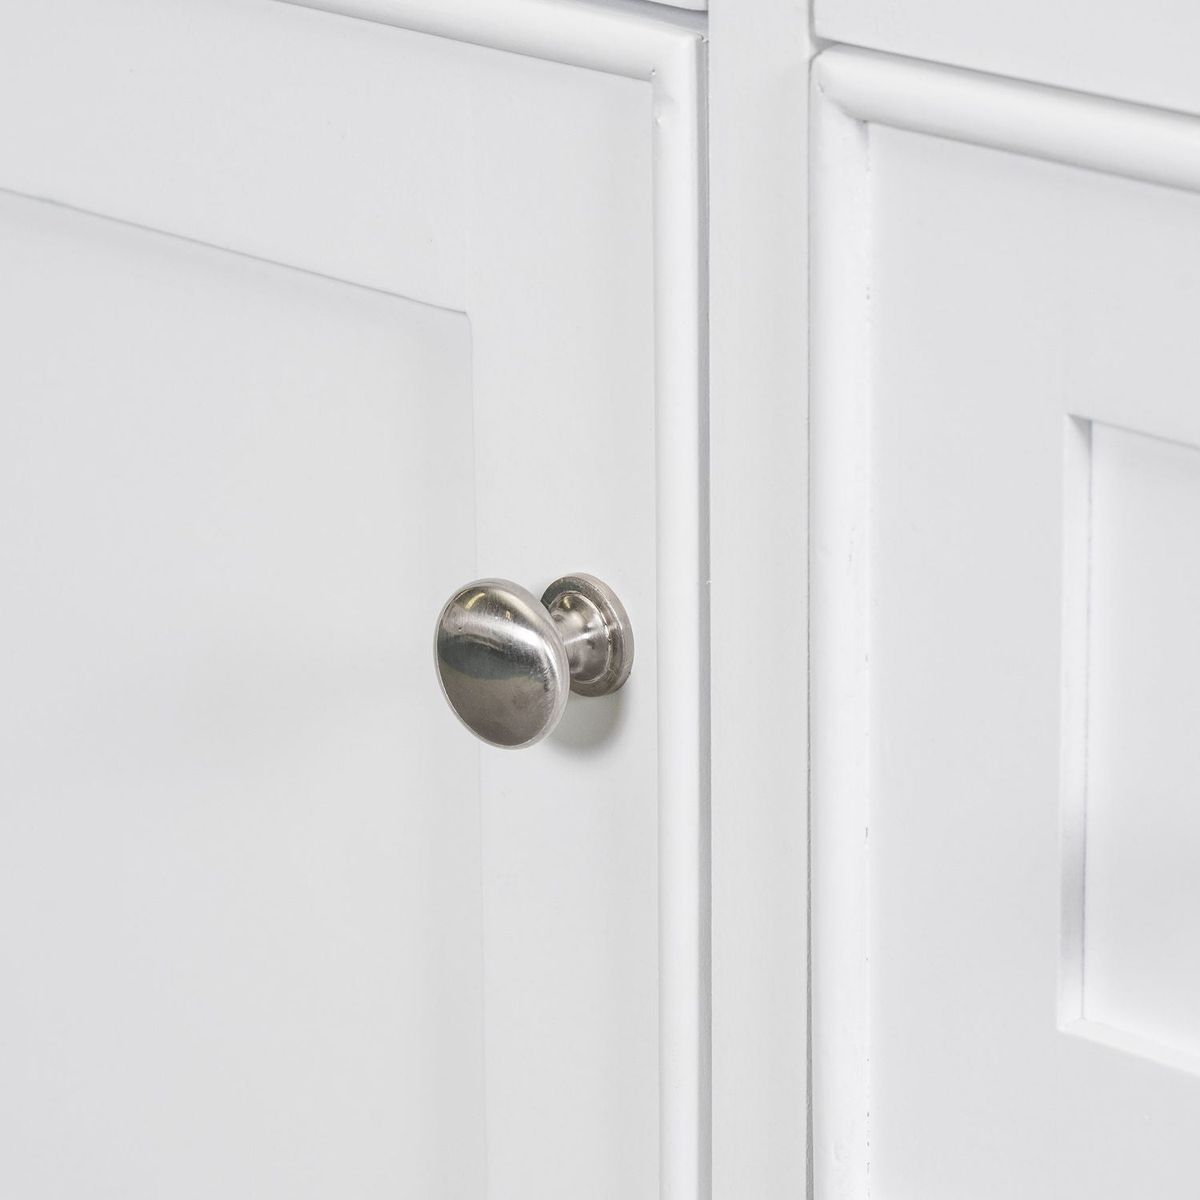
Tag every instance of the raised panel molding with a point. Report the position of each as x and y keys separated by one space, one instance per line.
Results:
x=1145 y=54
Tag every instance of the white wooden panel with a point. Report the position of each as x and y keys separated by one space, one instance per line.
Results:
x=1006 y=295
x=1141 y=955
x=239 y=844
x=975 y=307
x=758 y=494
x=260 y=127
x=569 y=913
x=1145 y=53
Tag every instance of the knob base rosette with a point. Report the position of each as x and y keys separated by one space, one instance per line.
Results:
x=595 y=630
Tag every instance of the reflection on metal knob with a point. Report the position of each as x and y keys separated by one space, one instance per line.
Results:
x=507 y=663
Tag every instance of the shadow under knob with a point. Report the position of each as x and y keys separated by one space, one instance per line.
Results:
x=507 y=661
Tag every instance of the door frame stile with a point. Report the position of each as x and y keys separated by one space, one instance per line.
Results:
x=668 y=52
x=759 y=59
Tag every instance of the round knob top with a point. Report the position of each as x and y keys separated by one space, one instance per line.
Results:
x=501 y=663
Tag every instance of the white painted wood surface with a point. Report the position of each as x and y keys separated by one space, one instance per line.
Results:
x=241 y=917
x=1004 y=460
x=548 y=217
x=1140 y=833
x=758 y=131
x=1145 y=53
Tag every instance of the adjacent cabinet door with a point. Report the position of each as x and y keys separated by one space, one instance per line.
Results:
x=1006 y=640
x=307 y=318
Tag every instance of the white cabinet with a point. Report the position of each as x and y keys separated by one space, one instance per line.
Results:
x=313 y=312
x=309 y=317
x=1006 y=491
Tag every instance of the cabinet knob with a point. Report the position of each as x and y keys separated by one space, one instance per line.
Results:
x=507 y=662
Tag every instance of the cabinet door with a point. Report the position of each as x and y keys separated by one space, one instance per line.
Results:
x=308 y=318
x=1006 y=574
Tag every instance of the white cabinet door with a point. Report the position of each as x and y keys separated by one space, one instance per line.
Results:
x=1006 y=583
x=307 y=319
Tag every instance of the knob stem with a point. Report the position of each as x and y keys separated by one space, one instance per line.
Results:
x=582 y=631
x=595 y=631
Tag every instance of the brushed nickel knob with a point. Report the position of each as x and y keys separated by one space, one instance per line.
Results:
x=507 y=661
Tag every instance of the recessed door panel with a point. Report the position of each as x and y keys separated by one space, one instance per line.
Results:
x=241 y=891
